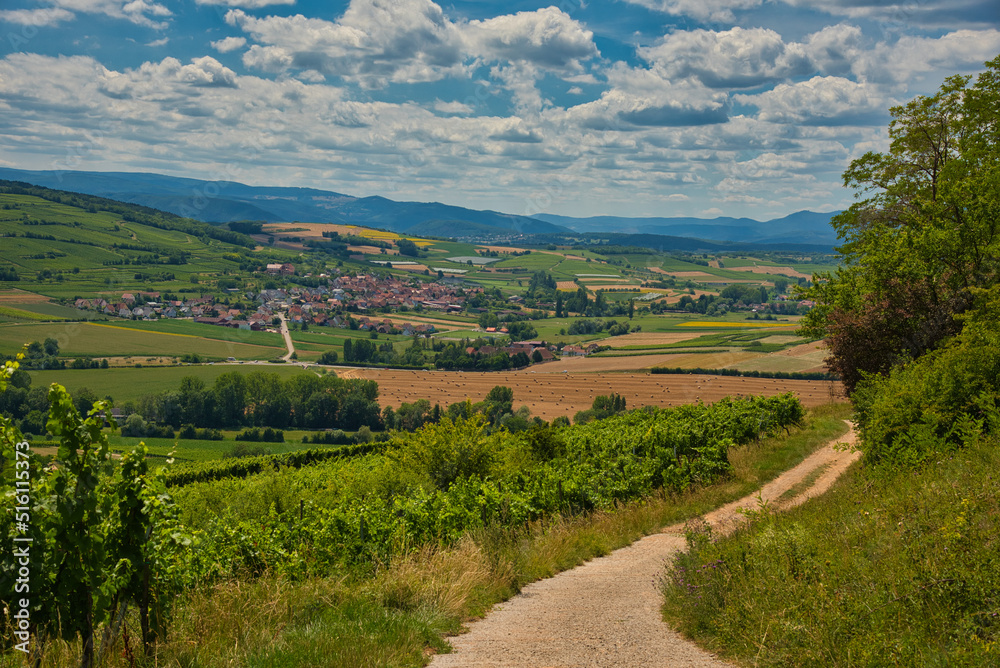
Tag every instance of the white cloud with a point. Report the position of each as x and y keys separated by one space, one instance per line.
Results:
x=452 y=107
x=822 y=101
x=706 y=10
x=912 y=56
x=140 y=12
x=227 y=44
x=894 y=15
x=36 y=17
x=835 y=49
x=547 y=38
x=575 y=90
x=377 y=42
x=246 y=4
x=736 y=58
x=159 y=42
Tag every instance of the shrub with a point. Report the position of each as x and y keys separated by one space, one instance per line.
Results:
x=945 y=399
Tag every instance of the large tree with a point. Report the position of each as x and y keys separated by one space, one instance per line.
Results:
x=923 y=235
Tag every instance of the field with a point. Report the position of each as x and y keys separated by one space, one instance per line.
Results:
x=104 y=340
x=129 y=384
x=549 y=395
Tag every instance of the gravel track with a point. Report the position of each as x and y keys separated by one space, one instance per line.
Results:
x=607 y=611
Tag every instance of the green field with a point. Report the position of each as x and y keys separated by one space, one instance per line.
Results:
x=129 y=384
x=105 y=340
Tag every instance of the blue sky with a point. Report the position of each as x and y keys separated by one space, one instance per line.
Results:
x=625 y=107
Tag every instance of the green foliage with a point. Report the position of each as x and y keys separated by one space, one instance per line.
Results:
x=96 y=530
x=901 y=570
x=924 y=236
x=448 y=451
x=945 y=399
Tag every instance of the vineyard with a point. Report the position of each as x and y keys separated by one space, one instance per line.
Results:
x=110 y=543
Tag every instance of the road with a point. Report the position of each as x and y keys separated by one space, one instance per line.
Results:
x=288 y=338
x=607 y=611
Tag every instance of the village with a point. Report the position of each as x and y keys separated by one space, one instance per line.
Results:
x=347 y=301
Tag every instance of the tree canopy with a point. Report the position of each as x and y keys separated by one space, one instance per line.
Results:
x=924 y=234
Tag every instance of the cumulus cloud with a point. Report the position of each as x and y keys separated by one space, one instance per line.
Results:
x=821 y=101
x=377 y=42
x=454 y=107
x=640 y=99
x=896 y=15
x=705 y=10
x=911 y=56
x=736 y=58
x=547 y=38
x=246 y=4
x=36 y=17
x=140 y=12
x=227 y=44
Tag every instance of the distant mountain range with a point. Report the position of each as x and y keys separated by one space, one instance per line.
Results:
x=802 y=227
x=227 y=201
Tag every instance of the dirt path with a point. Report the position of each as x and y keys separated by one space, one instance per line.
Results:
x=288 y=338
x=607 y=611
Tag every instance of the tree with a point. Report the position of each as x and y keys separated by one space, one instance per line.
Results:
x=924 y=235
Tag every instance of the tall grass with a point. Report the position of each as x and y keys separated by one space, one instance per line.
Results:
x=404 y=613
x=899 y=569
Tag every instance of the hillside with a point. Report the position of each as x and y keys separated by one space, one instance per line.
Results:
x=226 y=201
x=63 y=238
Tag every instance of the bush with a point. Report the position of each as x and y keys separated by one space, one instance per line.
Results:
x=944 y=400
x=244 y=450
x=266 y=435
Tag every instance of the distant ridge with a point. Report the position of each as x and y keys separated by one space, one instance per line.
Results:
x=226 y=201
x=802 y=227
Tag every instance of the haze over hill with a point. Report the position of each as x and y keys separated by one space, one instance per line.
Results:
x=226 y=201
x=801 y=227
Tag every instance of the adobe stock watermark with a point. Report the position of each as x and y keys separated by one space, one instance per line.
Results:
x=22 y=547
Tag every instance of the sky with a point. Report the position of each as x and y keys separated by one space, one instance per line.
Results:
x=622 y=107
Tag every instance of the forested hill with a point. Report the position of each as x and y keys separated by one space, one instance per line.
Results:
x=129 y=212
x=227 y=201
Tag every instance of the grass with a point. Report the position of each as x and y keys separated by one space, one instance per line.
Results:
x=23 y=315
x=106 y=340
x=408 y=609
x=890 y=569
x=129 y=384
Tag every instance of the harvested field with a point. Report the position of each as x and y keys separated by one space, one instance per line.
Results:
x=411 y=267
x=550 y=396
x=715 y=360
x=650 y=338
x=372 y=250
x=690 y=274
x=567 y=285
x=774 y=271
x=16 y=296
x=808 y=357
x=781 y=338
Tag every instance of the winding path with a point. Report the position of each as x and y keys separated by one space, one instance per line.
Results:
x=607 y=611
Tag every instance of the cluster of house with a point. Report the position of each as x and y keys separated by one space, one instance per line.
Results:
x=325 y=305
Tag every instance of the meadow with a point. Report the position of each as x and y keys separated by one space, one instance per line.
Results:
x=112 y=340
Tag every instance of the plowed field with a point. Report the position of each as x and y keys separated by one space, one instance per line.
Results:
x=552 y=395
